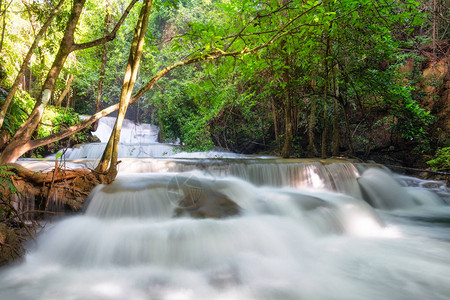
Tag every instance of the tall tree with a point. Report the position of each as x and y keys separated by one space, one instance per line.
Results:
x=108 y=162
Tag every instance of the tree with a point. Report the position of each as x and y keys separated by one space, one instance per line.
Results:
x=108 y=162
x=19 y=143
x=232 y=49
x=26 y=60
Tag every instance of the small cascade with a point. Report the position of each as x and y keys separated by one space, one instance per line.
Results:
x=193 y=236
x=227 y=226
x=376 y=185
x=382 y=191
x=136 y=140
x=95 y=150
x=335 y=175
x=131 y=132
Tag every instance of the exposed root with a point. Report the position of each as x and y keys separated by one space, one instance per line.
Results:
x=38 y=194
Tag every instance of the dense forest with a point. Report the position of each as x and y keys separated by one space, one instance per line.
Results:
x=292 y=78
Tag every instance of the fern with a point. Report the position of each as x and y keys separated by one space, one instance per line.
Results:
x=6 y=182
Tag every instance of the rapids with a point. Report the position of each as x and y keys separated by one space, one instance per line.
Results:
x=302 y=230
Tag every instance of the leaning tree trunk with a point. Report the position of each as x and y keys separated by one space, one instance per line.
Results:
x=65 y=91
x=20 y=142
x=26 y=60
x=3 y=14
x=109 y=160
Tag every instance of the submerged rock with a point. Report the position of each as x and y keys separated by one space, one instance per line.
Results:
x=205 y=203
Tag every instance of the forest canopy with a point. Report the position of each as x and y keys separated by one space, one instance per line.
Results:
x=291 y=78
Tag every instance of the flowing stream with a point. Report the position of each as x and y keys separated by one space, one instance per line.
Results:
x=225 y=226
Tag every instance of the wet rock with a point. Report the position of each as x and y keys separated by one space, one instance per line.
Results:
x=205 y=203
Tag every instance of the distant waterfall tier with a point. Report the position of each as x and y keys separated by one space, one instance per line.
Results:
x=131 y=132
x=95 y=150
x=136 y=140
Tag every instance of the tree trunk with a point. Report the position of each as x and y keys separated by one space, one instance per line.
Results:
x=3 y=29
x=20 y=142
x=312 y=120
x=335 y=143
x=66 y=90
x=324 y=131
x=109 y=160
x=286 y=151
x=347 y=126
x=25 y=131
x=325 y=97
x=26 y=60
x=275 y=122
x=3 y=13
x=435 y=31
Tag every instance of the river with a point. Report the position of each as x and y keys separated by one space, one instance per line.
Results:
x=223 y=226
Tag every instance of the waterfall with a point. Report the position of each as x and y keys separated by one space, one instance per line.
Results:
x=136 y=140
x=237 y=227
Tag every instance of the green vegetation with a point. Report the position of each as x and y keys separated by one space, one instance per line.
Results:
x=53 y=120
x=293 y=78
x=441 y=160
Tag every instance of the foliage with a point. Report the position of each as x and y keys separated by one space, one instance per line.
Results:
x=6 y=183
x=7 y=188
x=19 y=111
x=441 y=160
x=336 y=62
x=54 y=119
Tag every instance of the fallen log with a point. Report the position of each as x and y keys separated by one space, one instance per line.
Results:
x=47 y=177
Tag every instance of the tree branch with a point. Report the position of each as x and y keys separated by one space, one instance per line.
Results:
x=111 y=35
x=212 y=55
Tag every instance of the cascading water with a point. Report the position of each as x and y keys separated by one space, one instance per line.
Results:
x=136 y=140
x=223 y=228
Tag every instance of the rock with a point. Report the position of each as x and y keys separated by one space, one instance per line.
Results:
x=205 y=203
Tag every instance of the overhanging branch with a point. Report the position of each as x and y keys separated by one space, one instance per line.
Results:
x=111 y=35
x=209 y=56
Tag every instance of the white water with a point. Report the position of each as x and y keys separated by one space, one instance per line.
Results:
x=303 y=232
x=136 y=140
